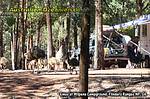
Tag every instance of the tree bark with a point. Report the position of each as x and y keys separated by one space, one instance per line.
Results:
x=29 y=47
x=38 y=33
x=139 y=11
x=99 y=47
x=75 y=37
x=22 y=41
x=17 y=42
x=67 y=39
x=13 y=37
x=23 y=21
x=84 y=53
x=49 y=29
x=31 y=42
x=75 y=33
x=28 y=43
x=1 y=38
x=139 y=7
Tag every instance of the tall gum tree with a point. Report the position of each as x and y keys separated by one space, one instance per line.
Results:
x=49 y=29
x=99 y=47
x=1 y=38
x=84 y=53
x=23 y=31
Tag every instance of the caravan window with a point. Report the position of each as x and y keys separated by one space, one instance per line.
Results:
x=144 y=30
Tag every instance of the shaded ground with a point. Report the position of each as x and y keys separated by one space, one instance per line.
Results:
x=26 y=85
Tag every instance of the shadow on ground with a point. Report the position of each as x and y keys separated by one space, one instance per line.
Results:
x=29 y=86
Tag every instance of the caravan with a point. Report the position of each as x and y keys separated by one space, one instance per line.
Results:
x=116 y=44
x=142 y=31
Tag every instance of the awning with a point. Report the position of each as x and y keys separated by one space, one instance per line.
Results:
x=145 y=19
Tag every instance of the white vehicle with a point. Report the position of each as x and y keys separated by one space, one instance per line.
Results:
x=142 y=30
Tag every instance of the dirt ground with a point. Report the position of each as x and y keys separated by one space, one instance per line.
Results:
x=105 y=84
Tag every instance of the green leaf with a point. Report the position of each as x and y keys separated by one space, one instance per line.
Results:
x=10 y=20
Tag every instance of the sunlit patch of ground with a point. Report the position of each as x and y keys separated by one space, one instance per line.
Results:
x=29 y=85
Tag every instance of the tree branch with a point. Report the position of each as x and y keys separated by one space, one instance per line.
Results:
x=148 y=4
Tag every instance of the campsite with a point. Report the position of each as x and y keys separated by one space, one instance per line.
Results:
x=74 y=49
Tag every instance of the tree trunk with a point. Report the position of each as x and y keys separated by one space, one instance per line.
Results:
x=13 y=37
x=23 y=35
x=139 y=8
x=28 y=43
x=75 y=33
x=31 y=42
x=49 y=29
x=75 y=29
x=1 y=38
x=84 y=53
x=139 y=11
x=99 y=47
x=38 y=34
x=29 y=47
x=67 y=40
x=16 y=42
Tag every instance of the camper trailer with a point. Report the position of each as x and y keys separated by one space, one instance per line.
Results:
x=115 y=47
x=142 y=31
